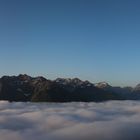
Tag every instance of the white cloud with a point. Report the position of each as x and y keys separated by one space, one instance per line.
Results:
x=114 y=120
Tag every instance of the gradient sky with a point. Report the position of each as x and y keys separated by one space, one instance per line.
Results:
x=98 y=40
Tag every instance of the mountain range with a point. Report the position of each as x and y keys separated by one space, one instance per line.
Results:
x=39 y=89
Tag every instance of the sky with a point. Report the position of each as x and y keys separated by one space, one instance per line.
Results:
x=95 y=40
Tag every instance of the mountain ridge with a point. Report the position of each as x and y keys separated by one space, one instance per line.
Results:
x=39 y=89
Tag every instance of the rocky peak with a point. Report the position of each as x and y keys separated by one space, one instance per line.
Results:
x=102 y=85
x=63 y=81
x=73 y=83
x=40 y=78
x=137 y=88
x=24 y=77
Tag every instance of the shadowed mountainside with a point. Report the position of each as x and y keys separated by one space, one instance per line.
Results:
x=39 y=89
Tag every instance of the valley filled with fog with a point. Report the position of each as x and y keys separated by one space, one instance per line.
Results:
x=112 y=120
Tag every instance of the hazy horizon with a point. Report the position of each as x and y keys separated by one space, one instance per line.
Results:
x=95 y=40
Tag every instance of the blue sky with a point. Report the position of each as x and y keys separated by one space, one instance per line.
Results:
x=98 y=40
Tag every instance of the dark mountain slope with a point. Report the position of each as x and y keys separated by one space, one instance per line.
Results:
x=39 y=89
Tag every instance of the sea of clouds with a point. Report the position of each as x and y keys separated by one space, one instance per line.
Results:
x=113 y=120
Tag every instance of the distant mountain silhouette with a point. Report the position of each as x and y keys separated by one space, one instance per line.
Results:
x=40 y=89
x=126 y=93
x=137 y=88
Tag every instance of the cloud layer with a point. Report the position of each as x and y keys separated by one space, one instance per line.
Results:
x=114 y=120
